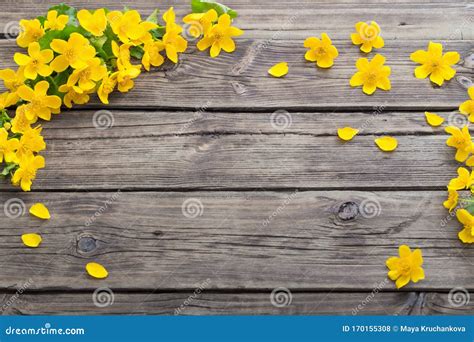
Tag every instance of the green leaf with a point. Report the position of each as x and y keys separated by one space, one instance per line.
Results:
x=159 y=32
x=67 y=10
x=470 y=208
x=136 y=52
x=201 y=6
x=153 y=17
x=9 y=168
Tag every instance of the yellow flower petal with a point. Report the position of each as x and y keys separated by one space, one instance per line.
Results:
x=40 y=210
x=96 y=270
x=433 y=119
x=31 y=240
x=279 y=70
x=347 y=133
x=386 y=144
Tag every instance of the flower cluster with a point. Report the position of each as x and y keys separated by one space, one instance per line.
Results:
x=70 y=55
x=460 y=139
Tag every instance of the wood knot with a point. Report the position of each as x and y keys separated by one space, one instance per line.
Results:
x=86 y=244
x=348 y=211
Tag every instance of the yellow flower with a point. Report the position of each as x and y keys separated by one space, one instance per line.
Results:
x=36 y=62
x=106 y=87
x=386 y=144
x=433 y=119
x=87 y=77
x=20 y=123
x=320 y=51
x=279 y=69
x=435 y=64
x=96 y=270
x=7 y=99
x=40 y=210
x=13 y=79
x=94 y=23
x=31 y=31
x=30 y=141
x=129 y=27
x=220 y=37
x=151 y=54
x=32 y=240
x=8 y=147
x=452 y=200
x=126 y=71
x=461 y=140
x=40 y=103
x=200 y=23
x=26 y=172
x=467 y=220
x=172 y=40
x=406 y=267
x=73 y=95
x=464 y=180
x=371 y=75
x=467 y=107
x=367 y=36
x=55 y=22
x=75 y=52
x=347 y=133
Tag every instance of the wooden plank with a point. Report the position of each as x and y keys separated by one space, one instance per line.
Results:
x=81 y=124
x=243 y=161
x=327 y=240
x=208 y=303
x=240 y=81
x=442 y=20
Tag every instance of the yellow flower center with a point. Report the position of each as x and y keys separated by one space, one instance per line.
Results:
x=320 y=51
x=371 y=76
x=69 y=53
x=405 y=267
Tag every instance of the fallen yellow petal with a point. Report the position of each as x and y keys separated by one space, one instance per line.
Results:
x=279 y=70
x=347 y=133
x=96 y=270
x=40 y=210
x=433 y=119
x=386 y=144
x=31 y=240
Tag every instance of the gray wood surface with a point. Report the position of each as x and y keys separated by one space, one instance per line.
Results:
x=211 y=303
x=240 y=80
x=283 y=19
x=239 y=240
x=205 y=132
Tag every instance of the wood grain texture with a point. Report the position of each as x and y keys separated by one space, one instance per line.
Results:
x=326 y=240
x=243 y=161
x=239 y=81
x=286 y=19
x=211 y=303
x=81 y=124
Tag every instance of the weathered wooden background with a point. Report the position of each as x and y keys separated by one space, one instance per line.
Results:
x=280 y=203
